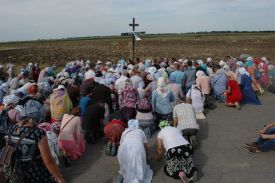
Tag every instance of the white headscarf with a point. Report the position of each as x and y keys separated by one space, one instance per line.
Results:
x=162 y=87
x=133 y=124
x=10 y=99
x=200 y=74
x=4 y=87
x=243 y=71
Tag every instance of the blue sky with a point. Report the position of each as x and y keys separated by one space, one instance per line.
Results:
x=44 y=19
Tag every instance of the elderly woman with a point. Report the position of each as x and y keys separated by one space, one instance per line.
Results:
x=177 y=91
x=10 y=103
x=195 y=97
x=4 y=89
x=239 y=65
x=60 y=103
x=153 y=85
x=70 y=139
x=145 y=117
x=35 y=141
x=128 y=99
x=249 y=96
x=233 y=93
x=264 y=76
x=250 y=67
x=203 y=82
x=8 y=116
x=162 y=99
x=133 y=155
x=113 y=131
x=179 y=163
x=219 y=82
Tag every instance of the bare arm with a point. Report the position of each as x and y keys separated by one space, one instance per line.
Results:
x=159 y=149
x=48 y=159
x=270 y=137
x=175 y=122
x=229 y=89
x=266 y=128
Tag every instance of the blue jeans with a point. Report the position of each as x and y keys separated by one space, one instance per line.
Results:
x=269 y=144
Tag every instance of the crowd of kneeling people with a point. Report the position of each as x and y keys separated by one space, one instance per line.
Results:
x=51 y=115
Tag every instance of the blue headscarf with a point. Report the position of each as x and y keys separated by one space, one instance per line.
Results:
x=248 y=63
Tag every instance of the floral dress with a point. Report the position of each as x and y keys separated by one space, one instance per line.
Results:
x=29 y=155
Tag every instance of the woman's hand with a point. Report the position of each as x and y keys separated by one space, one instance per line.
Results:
x=261 y=132
x=264 y=136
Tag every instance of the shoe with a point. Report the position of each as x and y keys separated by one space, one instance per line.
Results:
x=67 y=162
x=193 y=141
x=254 y=149
x=183 y=177
x=194 y=178
x=113 y=149
x=253 y=144
x=108 y=149
x=238 y=105
x=120 y=178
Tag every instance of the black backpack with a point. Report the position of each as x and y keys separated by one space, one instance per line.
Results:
x=10 y=169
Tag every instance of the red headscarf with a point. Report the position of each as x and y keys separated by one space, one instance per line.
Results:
x=257 y=61
x=33 y=89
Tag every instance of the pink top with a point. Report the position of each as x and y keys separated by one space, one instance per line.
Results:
x=72 y=129
x=204 y=84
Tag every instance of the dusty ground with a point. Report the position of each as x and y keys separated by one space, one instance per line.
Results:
x=220 y=157
x=190 y=46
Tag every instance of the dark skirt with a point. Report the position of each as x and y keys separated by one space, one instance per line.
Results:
x=179 y=159
x=128 y=113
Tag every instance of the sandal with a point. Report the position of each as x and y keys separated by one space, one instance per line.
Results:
x=108 y=149
x=113 y=149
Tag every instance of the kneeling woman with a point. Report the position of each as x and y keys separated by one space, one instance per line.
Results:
x=132 y=155
x=233 y=93
x=113 y=131
x=179 y=163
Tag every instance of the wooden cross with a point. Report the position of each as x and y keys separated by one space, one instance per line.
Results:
x=133 y=25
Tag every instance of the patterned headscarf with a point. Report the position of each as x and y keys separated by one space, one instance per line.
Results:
x=164 y=124
x=133 y=124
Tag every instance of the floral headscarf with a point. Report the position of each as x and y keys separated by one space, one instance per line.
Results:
x=164 y=124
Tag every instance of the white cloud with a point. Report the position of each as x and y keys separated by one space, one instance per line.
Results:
x=33 y=19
